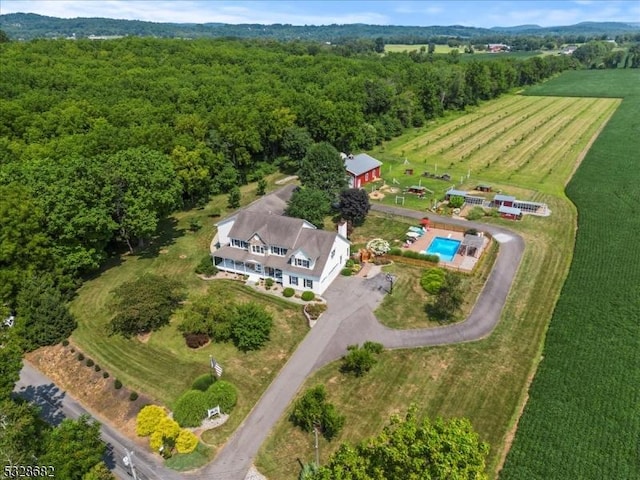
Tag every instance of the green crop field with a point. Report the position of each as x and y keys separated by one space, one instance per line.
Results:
x=582 y=419
x=485 y=381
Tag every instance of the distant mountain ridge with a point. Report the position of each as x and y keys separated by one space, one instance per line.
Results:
x=27 y=26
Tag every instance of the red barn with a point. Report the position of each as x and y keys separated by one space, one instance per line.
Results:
x=361 y=169
x=503 y=201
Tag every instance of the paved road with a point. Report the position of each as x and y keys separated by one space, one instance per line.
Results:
x=349 y=319
x=56 y=405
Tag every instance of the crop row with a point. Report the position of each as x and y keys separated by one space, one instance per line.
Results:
x=582 y=418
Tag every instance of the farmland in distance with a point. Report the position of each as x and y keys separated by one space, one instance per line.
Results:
x=582 y=419
x=530 y=142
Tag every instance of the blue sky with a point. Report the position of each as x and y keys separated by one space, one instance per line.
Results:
x=421 y=13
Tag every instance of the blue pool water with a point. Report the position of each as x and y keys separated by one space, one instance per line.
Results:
x=445 y=248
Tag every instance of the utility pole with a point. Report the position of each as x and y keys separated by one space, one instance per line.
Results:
x=128 y=461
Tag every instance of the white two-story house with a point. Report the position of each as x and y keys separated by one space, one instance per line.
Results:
x=291 y=251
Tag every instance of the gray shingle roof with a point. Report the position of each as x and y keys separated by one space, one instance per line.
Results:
x=272 y=229
x=283 y=232
x=360 y=164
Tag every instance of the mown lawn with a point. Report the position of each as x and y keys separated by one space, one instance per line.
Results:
x=485 y=381
x=163 y=367
x=582 y=419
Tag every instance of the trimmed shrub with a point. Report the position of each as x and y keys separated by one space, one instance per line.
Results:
x=222 y=393
x=346 y=272
x=432 y=280
x=288 y=292
x=65 y=343
x=97 y=367
x=250 y=326
x=117 y=384
x=133 y=396
x=80 y=357
x=268 y=283
x=196 y=340
x=190 y=408
x=186 y=442
x=89 y=362
x=105 y=374
x=308 y=296
x=148 y=419
x=206 y=266
x=203 y=382
x=165 y=434
x=350 y=263
x=73 y=350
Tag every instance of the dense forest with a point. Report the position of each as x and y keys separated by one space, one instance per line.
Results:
x=100 y=140
x=27 y=26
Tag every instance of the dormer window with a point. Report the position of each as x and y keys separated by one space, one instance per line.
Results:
x=302 y=263
x=258 y=249
x=239 y=243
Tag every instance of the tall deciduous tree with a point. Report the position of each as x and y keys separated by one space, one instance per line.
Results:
x=43 y=316
x=354 y=205
x=409 y=448
x=24 y=248
x=323 y=169
x=10 y=358
x=309 y=204
x=143 y=187
x=73 y=448
x=21 y=432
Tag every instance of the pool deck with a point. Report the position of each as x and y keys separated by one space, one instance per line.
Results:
x=460 y=262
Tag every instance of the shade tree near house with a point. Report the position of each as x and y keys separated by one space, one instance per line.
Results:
x=322 y=169
x=354 y=205
x=310 y=204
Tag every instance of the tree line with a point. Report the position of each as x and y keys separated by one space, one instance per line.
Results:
x=100 y=140
x=27 y=26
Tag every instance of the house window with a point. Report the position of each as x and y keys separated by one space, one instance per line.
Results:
x=302 y=263
x=308 y=283
x=259 y=249
x=333 y=253
x=293 y=281
x=279 y=251
x=366 y=176
x=238 y=243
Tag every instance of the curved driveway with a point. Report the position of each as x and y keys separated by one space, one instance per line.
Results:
x=348 y=320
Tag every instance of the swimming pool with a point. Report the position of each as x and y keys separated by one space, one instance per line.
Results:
x=445 y=248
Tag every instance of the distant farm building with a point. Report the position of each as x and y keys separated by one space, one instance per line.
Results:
x=361 y=169
x=498 y=47
x=511 y=213
x=468 y=199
